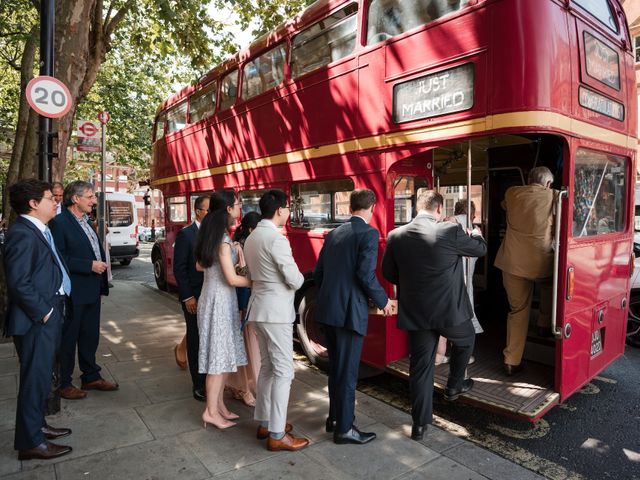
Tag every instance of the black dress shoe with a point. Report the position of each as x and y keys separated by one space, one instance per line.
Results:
x=51 y=433
x=511 y=370
x=452 y=394
x=44 y=451
x=199 y=394
x=330 y=425
x=353 y=435
x=417 y=432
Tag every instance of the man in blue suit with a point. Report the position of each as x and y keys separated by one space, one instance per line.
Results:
x=38 y=285
x=189 y=282
x=82 y=251
x=345 y=277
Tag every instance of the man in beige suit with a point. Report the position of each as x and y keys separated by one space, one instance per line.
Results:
x=275 y=278
x=526 y=257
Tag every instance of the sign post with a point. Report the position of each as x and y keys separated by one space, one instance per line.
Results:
x=104 y=118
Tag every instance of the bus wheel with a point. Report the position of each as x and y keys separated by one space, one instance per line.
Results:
x=633 y=322
x=158 y=273
x=125 y=262
x=309 y=334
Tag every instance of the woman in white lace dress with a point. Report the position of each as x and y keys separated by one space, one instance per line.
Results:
x=221 y=348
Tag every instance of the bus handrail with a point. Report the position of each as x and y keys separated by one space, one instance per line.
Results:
x=557 y=331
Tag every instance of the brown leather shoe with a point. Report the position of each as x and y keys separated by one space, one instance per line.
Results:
x=263 y=433
x=44 y=451
x=181 y=360
x=51 y=433
x=288 y=442
x=101 y=384
x=72 y=393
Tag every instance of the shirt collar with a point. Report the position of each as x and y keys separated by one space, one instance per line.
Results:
x=197 y=224
x=362 y=218
x=41 y=226
x=269 y=223
x=424 y=213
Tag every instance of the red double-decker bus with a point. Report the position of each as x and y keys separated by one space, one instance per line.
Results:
x=465 y=96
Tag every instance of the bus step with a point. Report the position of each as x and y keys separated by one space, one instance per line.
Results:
x=526 y=395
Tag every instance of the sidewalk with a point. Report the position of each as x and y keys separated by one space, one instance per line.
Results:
x=151 y=428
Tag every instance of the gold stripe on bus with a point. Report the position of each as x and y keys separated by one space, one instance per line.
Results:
x=533 y=119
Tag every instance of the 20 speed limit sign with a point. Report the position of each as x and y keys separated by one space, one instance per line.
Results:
x=48 y=96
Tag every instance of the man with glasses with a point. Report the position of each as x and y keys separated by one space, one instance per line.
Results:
x=38 y=285
x=275 y=278
x=81 y=249
x=189 y=282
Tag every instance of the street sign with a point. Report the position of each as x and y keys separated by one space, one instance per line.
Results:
x=88 y=137
x=48 y=96
x=104 y=117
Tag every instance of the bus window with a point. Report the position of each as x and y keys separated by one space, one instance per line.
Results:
x=405 y=191
x=453 y=194
x=324 y=42
x=599 y=193
x=229 y=90
x=177 y=208
x=203 y=103
x=160 y=126
x=177 y=117
x=320 y=204
x=250 y=200
x=264 y=72
x=388 y=18
x=602 y=11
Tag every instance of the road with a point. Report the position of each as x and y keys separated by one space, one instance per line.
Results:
x=594 y=435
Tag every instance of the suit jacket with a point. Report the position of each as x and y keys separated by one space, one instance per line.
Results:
x=526 y=250
x=424 y=258
x=33 y=276
x=184 y=264
x=75 y=248
x=274 y=274
x=346 y=276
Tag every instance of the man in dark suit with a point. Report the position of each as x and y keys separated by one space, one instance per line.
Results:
x=82 y=251
x=38 y=285
x=345 y=277
x=189 y=282
x=424 y=258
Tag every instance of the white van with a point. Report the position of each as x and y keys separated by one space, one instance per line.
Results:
x=122 y=222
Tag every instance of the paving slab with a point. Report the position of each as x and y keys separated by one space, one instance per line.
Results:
x=9 y=366
x=390 y=455
x=97 y=433
x=163 y=389
x=289 y=466
x=7 y=414
x=174 y=417
x=8 y=386
x=488 y=463
x=443 y=468
x=9 y=462
x=43 y=473
x=7 y=350
x=165 y=459
x=129 y=395
x=144 y=369
x=301 y=393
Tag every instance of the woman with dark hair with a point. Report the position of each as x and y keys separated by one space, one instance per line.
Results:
x=242 y=384
x=221 y=346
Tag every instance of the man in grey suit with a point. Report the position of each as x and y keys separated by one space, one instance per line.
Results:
x=424 y=258
x=275 y=278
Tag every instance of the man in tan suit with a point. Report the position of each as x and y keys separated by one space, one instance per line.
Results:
x=275 y=278
x=526 y=256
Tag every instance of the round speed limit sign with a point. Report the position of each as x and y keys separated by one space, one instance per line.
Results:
x=48 y=96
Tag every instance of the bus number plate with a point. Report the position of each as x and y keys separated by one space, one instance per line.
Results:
x=435 y=94
x=596 y=343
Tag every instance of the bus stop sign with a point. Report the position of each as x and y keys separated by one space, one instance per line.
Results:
x=104 y=117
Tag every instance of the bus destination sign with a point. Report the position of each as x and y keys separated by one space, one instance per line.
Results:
x=435 y=94
x=601 y=104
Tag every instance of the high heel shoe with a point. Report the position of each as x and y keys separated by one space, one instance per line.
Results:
x=222 y=426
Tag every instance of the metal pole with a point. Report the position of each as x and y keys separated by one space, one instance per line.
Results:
x=102 y=206
x=47 y=27
x=467 y=260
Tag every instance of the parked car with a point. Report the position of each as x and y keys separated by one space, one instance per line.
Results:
x=144 y=234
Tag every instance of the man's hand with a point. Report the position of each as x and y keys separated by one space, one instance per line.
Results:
x=388 y=309
x=98 y=267
x=46 y=319
x=191 y=305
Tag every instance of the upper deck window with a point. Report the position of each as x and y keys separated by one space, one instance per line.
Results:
x=324 y=42
x=160 y=126
x=229 y=90
x=177 y=117
x=600 y=191
x=264 y=72
x=636 y=48
x=203 y=103
x=602 y=11
x=388 y=18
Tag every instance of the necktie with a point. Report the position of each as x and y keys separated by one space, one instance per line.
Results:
x=66 y=281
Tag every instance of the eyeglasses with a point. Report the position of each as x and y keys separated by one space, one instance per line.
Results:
x=287 y=207
x=237 y=204
x=90 y=197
